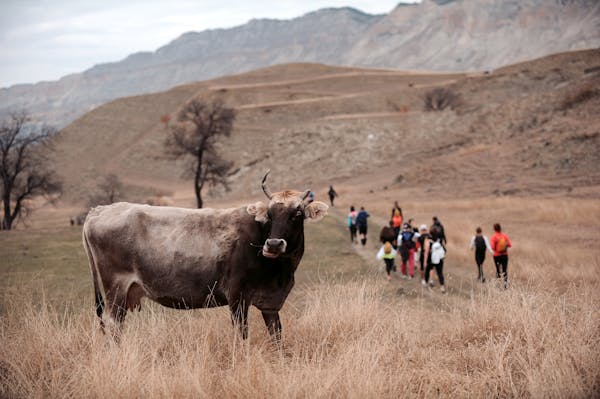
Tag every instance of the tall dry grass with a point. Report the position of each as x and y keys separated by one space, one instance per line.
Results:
x=347 y=332
x=340 y=340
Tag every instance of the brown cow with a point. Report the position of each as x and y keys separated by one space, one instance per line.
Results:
x=198 y=258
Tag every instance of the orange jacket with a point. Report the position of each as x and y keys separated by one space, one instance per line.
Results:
x=496 y=242
x=397 y=220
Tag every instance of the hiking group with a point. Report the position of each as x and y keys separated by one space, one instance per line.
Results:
x=427 y=246
x=423 y=245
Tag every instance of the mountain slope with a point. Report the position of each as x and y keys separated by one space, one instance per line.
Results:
x=442 y=35
x=521 y=129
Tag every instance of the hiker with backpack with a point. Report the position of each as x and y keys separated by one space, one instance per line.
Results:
x=423 y=235
x=388 y=254
x=361 y=224
x=352 y=223
x=500 y=244
x=480 y=244
x=434 y=255
x=387 y=235
x=411 y=225
x=332 y=195
x=440 y=226
x=406 y=245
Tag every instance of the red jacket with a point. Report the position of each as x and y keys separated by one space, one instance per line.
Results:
x=497 y=239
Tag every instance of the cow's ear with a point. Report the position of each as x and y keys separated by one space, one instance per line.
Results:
x=259 y=210
x=316 y=210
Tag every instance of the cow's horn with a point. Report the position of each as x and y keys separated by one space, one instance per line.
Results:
x=305 y=195
x=264 y=185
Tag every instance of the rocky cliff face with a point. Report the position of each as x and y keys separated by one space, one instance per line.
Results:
x=477 y=35
x=434 y=35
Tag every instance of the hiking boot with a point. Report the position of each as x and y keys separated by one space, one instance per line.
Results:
x=423 y=283
x=431 y=283
x=442 y=289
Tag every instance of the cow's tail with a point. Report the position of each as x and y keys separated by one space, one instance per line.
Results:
x=94 y=271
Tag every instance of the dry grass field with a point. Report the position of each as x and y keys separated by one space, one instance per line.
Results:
x=521 y=150
x=347 y=331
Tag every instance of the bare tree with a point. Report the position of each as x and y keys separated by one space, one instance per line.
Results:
x=194 y=138
x=108 y=191
x=25 y=172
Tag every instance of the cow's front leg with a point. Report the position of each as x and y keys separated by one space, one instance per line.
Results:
x=273 y=324
x=239 y=317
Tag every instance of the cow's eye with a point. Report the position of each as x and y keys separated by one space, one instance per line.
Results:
x=298 y=213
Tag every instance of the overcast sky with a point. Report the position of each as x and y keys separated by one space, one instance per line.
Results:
x=47 y=39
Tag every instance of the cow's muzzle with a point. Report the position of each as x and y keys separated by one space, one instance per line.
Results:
x=274 y=247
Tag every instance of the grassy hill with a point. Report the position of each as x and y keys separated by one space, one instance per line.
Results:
x=520 y=129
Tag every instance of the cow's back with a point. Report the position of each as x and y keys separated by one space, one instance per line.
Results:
x=171 y=252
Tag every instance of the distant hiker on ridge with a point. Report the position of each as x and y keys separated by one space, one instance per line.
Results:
x=332 y=194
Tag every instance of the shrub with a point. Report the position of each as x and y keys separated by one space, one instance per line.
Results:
x=441 y=98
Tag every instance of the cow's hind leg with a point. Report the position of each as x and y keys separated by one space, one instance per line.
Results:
x=121 y=300
x=116 y=300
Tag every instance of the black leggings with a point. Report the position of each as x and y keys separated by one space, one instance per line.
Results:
x=439 y=269
x=389 y=265
x=479 y=259
x=501 y=266
x=352 y=233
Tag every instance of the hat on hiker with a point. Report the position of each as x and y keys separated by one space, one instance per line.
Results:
x=423 y=227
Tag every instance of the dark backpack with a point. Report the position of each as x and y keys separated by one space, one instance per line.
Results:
x=479 y=244
x=361 y=218
x=407 y=241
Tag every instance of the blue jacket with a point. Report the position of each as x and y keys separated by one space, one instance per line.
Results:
x=361 y=218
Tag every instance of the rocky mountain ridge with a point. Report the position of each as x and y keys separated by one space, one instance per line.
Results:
x=433 y=35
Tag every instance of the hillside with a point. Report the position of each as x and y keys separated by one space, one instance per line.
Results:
x=442 y=36
x=512 y=133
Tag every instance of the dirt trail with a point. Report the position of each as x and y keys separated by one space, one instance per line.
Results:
x=324 y=76
x=301 y=101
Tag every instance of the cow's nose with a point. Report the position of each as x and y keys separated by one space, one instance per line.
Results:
x=275 y=243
